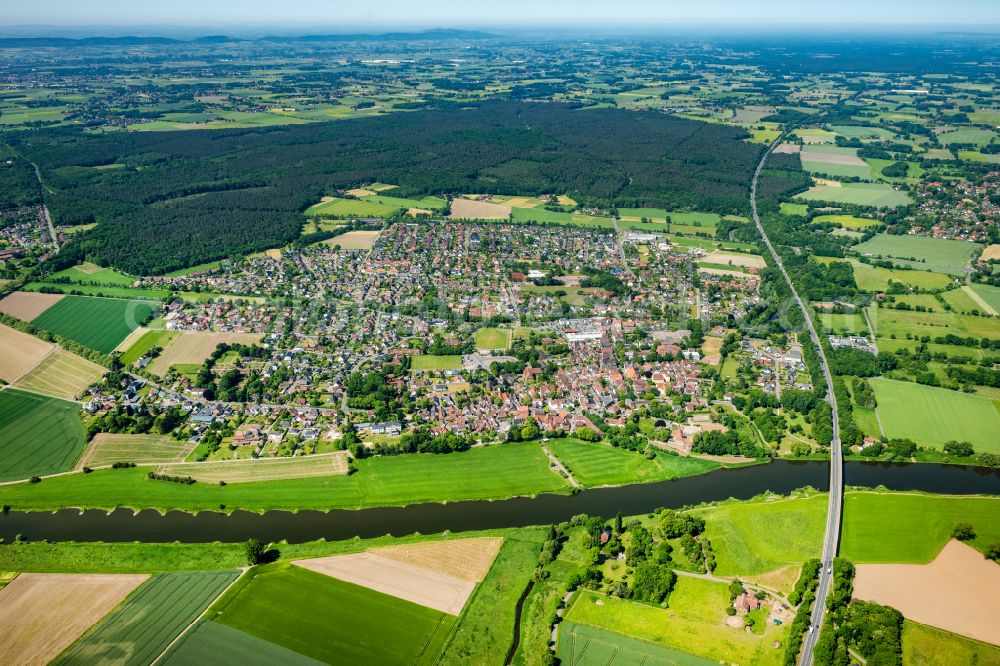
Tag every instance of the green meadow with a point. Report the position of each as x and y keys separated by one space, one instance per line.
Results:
x=694 y=623
x=149 y=619
x=299 y=610
x=584 y=645
x=882 y=527
x=88 y=272
x=927 y=646
x=935 y=254
x=862 y=194
x=542 y=215
x=98 y=323
x=757 y=537
x=599 y=464
x=38 y=435
x=430 y=362
x=148 y=340
x=931 y=416
x=426 y=203
x=352 y=208
x=889 y=322
x=217 y=644
x=846 y=221
x=873 y=278
x=493 y=338
x=491 y=472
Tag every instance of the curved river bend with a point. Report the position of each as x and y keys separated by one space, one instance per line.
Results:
x=780 y=476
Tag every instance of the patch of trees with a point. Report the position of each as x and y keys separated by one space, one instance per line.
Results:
x=890 y=450
x=959 y=449
x=863 y=393
x=807 y=579
x=875 y=632
x=729 y=443
x=977 y=375
x=417 y=441
x=896 y=170
x=857 y=362
x=850 y=433
x=605 y=280
x=652 y=582
x=120 y=420
x=805 y=595
x=185 y=480
x=185 y=198
x=18 y=185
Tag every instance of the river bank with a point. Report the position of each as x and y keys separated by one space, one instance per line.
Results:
x=57 y=523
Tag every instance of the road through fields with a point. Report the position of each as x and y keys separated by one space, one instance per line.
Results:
x=831 y=538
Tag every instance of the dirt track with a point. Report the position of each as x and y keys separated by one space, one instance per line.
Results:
x=957 y=592
x=42 y=614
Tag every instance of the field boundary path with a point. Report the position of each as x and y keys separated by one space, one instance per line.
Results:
x=243 y=571
x=831 y=538
x=871 y=329
x=559 y=465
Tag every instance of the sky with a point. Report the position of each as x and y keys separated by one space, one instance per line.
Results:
x=351 y=14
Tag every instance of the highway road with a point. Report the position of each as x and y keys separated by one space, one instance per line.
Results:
x=831 y=538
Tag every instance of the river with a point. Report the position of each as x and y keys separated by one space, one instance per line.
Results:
x=780 y=476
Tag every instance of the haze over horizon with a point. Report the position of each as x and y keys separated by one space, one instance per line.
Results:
x=313 y=15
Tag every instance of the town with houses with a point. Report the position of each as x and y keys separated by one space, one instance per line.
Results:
x=471 y=330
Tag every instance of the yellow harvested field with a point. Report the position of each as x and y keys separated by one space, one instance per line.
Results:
x=564 y=200
x=790 y=148
x=260 y=469
x=831 y=158
x=26 y=305
x=61 y=374
x=524 y=202
x=413 y=212
x=991 y=252
x=88 y=268
x=354 y=240
x=781 y=580
x=107 y=448
x=957 y=592
x=356 y=192
x=193 y=347
x=132 y=338
x=21 y=352
x=710 y=349
x=273 y=253
x=719 y=271
x=466 y=209
x=734 y=259
x=828 y=182
x=468 y=559
x=403 y=581
x=42 y=614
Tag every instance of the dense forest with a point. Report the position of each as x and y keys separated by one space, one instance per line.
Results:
x=165 y=200
x=18 y=186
